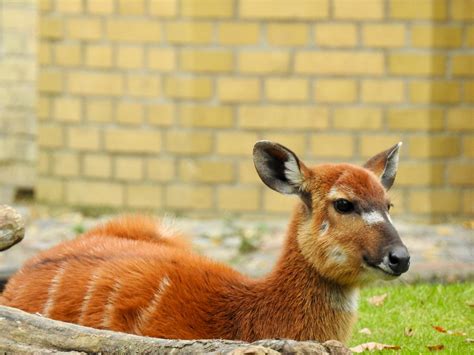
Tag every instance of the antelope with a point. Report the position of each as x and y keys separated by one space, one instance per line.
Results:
x=134 y=275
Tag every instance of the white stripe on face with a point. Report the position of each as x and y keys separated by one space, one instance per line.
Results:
x=373 y=217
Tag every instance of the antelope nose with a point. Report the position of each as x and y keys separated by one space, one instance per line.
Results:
x=399 y=259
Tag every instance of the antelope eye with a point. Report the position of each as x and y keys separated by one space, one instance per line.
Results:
x=343 y=206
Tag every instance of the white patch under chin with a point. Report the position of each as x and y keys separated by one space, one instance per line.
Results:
x=345 y=300
x=292 y=172
x=372 y=217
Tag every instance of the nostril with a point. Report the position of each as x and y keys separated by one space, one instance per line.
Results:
x=393 y=258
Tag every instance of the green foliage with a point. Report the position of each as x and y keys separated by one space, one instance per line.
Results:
x=419 y=308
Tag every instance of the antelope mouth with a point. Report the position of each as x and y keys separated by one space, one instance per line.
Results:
x=381 y=267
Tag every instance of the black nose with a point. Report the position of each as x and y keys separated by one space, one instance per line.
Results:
x=399 y=259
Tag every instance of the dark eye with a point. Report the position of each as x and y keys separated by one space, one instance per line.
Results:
x=343 y=206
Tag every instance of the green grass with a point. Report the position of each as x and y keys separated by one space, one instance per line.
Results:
x=418 y=307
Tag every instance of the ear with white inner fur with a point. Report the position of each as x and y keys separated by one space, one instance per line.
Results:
x=385 y=165
x=280 y=169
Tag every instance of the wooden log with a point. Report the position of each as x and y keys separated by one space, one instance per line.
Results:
x=12 y=227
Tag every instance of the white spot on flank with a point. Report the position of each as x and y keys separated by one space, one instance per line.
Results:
x=372 y=217
x=345 y=300
x=52 y=290
x=324 y=228
x=146 y=313
x=292 y=171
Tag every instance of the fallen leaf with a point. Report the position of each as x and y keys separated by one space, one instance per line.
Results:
x=456 y=333
x=469 y=340
x=470 y=303
x=435 y=347
x=409 y=332
x=377 y=300
x=365 y=331
x=439 y=329
x=373 y=346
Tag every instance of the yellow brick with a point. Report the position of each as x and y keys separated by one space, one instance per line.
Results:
x=192 y=197
x=129 y=57
x=422 y=9
x=238 y=33
x=67 y=55
x=188 y=88
x=416 y=64
x=205 y=116
x=161 y=114
x=45 y=53
x=188 y=142
x=86 y=193
x=463 y=65
x=130 y=169
x=332 y=146
x=189 y=32
x=99 y=110
x=206 y=61
x=469 y=91
x=357 y=118
x=45 y=5
x=460 y=119
x=286 y=90
x=420 y=174
x=98 y=83
x=69 y=6
x=163 y=8
x=358 y=10
x=100 y=7
x=435 y=201
x=43 y=163
x=439 y=146
x=99 y=56
x=383 y=91
x=132 y=141
x=65 y=164
x=462 y=9
x=129 y=113
x=49 y=190
x=335 y=90
x=236 y=143
x=84 y=28
x=468 y=144
x=264 y=62
x=50 y=81
x=52 y=28
x=414 y=119
x=162 y=59
x=50 y=136
x=283 y=117
x=427 y=36
x=295 y=141
x=247 y=173
x=238 y=89
x=67 y=109
x=436 y=91
x=131 y=7
x=369 y=145
x=122 y=30
x=383 y=35
x=336 y=62
x=461 y=174
x=468 y=202
x=283 y=9
x=275 y=202
x=192 y=170
x=83 y=138
x=287 y=34
x=143 y=85
x=335 y=35
x=160 y=169
x=469 y=36
x=43 y=107
x=97 y=165
x=144 y=196
x=238 y=198
x=207 y=8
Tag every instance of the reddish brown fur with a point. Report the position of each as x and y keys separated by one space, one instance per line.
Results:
x=126 y=276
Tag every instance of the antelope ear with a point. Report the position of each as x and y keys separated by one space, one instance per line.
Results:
x=279 y=168
x=385 y=165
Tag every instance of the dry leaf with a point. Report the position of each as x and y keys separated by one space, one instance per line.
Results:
x=377 y=300
x=456 y=333
x=470 y=303
x=469 y=340
x=373 y=346
x=435 y=347
x=409 y=332
x=439 y=329
x=365 y=331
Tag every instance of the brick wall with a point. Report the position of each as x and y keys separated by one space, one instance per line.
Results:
x=17 y=96
x=156 y=104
